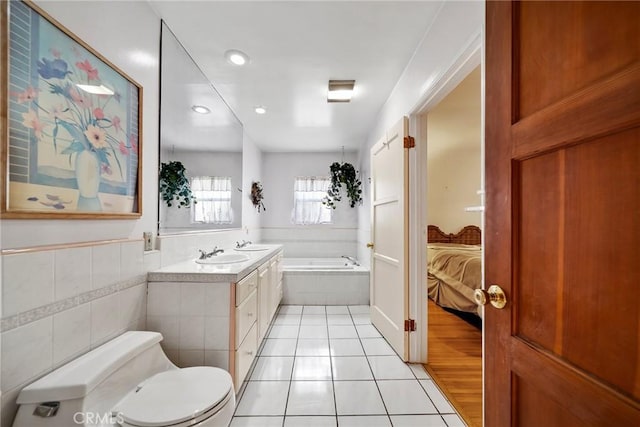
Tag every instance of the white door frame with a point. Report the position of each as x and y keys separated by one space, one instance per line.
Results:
x=468 y=59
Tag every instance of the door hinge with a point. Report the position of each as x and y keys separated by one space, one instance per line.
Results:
x=409 y=142
x=409 y=325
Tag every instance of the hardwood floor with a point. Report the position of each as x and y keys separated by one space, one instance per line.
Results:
x=455 y=362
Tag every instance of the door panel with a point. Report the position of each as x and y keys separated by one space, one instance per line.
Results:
x=563 y=209
x=389 y=225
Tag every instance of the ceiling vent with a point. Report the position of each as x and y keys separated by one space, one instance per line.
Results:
x=340 y=90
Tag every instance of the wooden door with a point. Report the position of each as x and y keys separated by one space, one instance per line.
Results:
x=563 y=213
x=390 y=236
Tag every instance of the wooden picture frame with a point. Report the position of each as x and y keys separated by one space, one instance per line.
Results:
x=71 y=124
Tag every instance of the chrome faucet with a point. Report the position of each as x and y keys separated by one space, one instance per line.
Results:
x=243 y=244
x=205 y=255
x=352 y=259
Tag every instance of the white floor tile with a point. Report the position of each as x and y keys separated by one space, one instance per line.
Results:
x=273 y=369
x=283 y=331
x=311 y=398
x=377 y=347
x=279 y=347
x=290 y=309
x=313 y=309
x=358 y=398
x=287 y=319
x=312 y=369
x=368 y=331
x=346 y=347
x=359 y=309
x=339 y=319
x=405 y=397
x=337 y=309
x=417 y=420
x=438 y=399
x=314 y=319
x=364 y=421
x=313 y=347
x=313 y=331
x=419 y=371
x=390 y=368
x=310 y=421
x=342 y=331
x=350 y=368
x=361 y=319
x=264 y=398
x=256 y=422
x=453 y=420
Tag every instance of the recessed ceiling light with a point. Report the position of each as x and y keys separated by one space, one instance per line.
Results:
x=236 y=57
x=260 y=110
x=201 y=109
x=340 y=90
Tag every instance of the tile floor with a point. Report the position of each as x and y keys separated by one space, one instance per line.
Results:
x=329 y=366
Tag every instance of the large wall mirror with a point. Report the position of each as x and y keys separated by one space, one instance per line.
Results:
x=198 y=129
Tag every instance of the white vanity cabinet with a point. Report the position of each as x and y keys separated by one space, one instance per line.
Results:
x=214 y=318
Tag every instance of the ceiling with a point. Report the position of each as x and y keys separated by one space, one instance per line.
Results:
x=295 y=48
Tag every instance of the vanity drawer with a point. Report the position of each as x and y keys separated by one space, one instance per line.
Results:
x=246 y=314
x=245 y=355
x=245 y=286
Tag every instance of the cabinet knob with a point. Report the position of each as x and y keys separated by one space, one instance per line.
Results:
x=250 y=353
x=250 y=314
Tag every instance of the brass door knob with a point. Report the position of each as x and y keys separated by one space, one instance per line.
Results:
x=370 y=245
x=494 y=295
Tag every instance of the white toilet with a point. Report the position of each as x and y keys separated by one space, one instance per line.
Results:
x=128 y=382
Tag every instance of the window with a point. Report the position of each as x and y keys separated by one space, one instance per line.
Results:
x=308 y=193
x=213 y=197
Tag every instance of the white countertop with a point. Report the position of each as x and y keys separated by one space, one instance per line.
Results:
x=190 y=271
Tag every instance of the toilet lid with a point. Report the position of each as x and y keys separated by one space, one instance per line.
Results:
x=175 y=396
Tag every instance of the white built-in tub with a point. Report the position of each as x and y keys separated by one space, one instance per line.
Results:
x=324 y=281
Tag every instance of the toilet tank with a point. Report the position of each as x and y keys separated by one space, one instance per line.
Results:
x=85 y=389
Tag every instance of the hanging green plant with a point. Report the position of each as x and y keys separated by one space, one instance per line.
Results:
x=174 y=185
x=256 y=196
x=345 y=174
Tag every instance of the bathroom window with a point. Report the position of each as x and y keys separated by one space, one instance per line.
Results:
x=308 y=193
x=213 y=197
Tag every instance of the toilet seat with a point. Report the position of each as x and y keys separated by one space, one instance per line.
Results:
x=176 y=398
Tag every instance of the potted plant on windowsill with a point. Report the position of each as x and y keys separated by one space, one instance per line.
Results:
x=343 y=174
x=174 y=184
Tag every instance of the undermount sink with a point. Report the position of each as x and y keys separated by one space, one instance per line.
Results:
x=224 y=259
x=252 y=247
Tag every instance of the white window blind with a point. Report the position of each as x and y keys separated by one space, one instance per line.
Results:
x=308 y=193
x=213 y=196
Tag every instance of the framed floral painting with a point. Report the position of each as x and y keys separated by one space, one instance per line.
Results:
x=72 y=136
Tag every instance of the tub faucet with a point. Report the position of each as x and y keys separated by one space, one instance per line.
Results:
x=352 y=259
x=243 y=244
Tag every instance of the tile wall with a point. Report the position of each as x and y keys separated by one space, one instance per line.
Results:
x=313 y=241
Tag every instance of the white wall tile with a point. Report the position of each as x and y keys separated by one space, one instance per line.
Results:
x=152 y=261
x=72 y=272
x=105 y=319
x=27 y=281
x=192 y=300
x=217 y=298
x=9 y=406
x=191 y=333
x=71 y=333
x=131 y=259
x=217 y=358
x=133 y=304
x=216 y=333
x=169 y=327
x=163 y=299
x=27 y=352
x=191 y=358
x=105 y=265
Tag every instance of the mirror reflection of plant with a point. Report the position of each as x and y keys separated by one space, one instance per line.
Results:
x=345 y=174
x=174 y=185
x=257 y=196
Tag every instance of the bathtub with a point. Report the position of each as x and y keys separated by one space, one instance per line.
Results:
x=324 y=281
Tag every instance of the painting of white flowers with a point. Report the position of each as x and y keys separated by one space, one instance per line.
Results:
x=73 y=125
